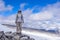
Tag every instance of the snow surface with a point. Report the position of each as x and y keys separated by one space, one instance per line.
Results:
x=35 y=35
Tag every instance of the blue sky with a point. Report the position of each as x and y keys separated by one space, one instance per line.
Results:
x=39 y=14
x=30 y=4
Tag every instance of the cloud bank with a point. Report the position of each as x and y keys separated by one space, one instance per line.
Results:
x=3 y=7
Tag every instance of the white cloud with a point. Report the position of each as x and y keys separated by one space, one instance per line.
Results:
x=3 y=7
x=41 y=16
x=53 y=9
x=22 y=6
x=39 y=20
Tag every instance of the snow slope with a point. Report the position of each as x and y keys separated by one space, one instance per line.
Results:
x=33 y=34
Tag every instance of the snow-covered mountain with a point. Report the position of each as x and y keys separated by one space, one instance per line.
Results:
x=37 y=36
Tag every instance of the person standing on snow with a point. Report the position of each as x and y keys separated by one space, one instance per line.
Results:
x=19 y=21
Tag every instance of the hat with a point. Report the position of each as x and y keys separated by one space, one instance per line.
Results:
x=19 y=11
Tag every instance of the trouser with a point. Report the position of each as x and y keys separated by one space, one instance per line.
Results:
x=19 y=27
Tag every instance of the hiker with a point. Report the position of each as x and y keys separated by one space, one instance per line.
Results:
x=19 y=21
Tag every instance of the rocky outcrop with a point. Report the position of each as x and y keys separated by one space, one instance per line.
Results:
x=13 y=36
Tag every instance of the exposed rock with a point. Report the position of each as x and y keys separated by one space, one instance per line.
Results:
x=13 y=36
